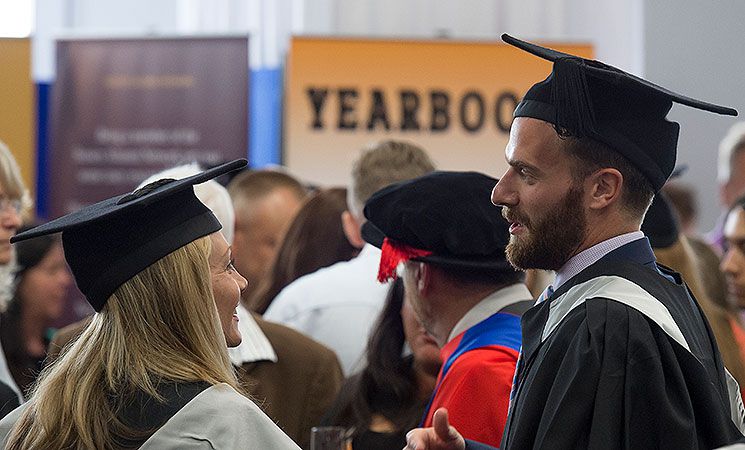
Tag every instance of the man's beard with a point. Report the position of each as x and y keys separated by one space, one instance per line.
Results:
x=548 y=241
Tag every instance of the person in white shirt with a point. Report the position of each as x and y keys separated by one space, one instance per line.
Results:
x=337 y=305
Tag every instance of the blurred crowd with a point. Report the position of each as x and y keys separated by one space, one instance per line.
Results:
x=343 y=319
x=325 y=343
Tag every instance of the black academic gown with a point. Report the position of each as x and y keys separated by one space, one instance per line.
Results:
x=608 y=377
x=8 y=399
x=146 y=415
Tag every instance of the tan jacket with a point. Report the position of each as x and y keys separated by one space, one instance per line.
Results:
x=298 y=389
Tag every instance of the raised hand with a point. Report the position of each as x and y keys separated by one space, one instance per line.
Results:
x=442 y=436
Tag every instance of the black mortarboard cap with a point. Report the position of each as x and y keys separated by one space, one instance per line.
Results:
x=447 y=214
x=587 y=98
x=111 y=241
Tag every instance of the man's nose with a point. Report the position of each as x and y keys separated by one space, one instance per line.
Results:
x=502 y=194
x=731 y=262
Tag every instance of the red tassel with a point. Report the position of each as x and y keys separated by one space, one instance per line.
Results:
x=394 y=253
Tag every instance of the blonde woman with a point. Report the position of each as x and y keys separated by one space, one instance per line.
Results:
x=152 y=369
x=14 y=202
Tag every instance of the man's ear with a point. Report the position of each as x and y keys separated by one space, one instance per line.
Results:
x=352 y=230
x=423 y=277
x=605 y=188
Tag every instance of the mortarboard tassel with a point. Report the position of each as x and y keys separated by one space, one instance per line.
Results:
x=392 y=254
x=144 y=190
x=570 y=95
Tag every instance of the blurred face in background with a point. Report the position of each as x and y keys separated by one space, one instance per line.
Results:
x=734 y=187
x=260 y=226
x=733 y=261
x=423 y=346
x=43 y=287
x=10 y=221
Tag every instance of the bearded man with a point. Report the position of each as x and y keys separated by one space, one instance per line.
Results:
x=616 y=353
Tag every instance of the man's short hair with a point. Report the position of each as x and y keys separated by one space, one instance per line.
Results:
x=732 y=144
x=253 y=184
x=383 y=164
x=470 y=276
x=590 y=155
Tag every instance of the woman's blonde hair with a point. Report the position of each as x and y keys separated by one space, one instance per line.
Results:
x=681 y=258
x=160 y=325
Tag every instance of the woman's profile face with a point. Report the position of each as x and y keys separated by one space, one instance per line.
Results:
x=227 y=285
x=423 y=346
x=43 y=287
x=10 y=221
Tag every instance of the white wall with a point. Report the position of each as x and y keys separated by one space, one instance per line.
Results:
x=698 y=49
x=597 y=21
x=272 y=22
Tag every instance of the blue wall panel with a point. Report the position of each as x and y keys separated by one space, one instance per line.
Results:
x=43 y=95
x=265 y=117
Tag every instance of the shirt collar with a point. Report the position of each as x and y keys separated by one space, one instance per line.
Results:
x=369 y=251
x=489 y=306
x=589 y=256
x=255 y=346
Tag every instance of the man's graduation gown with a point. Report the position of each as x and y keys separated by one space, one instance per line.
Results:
x=620 y=357
x=476 y=376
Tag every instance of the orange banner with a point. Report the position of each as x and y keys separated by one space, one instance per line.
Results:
x=17 y=116
x=455 y=99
